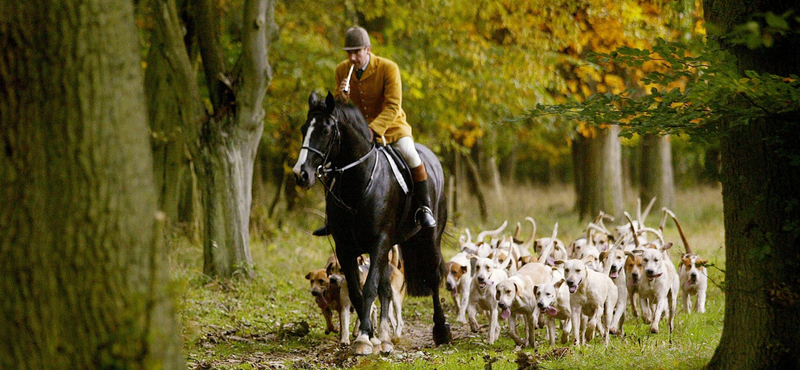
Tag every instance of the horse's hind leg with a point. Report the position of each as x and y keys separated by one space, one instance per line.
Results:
x=441 y=329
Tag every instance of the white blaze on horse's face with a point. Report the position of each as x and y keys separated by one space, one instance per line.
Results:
x=301 y=159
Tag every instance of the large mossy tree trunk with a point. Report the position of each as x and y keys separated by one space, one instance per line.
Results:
x=657 y=179
x=82 y=271
x=598 y=168
x=760 y=173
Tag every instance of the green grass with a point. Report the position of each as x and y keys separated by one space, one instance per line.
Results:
x=254 y=324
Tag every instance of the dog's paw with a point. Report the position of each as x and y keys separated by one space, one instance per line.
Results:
x=654 y=329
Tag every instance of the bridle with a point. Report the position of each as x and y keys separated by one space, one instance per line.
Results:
x=326 y=167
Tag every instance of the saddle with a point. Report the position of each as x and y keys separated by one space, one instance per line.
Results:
x=402 y=175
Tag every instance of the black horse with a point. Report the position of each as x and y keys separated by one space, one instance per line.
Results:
x=367 y=212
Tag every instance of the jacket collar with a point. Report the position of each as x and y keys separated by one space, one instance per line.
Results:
x=372 y=66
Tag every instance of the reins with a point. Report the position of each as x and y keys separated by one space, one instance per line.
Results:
x=325 y=168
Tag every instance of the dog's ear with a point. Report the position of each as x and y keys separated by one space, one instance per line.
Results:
x=535 y=290
x=559 y=262
x=558 y=283
x=518 y=288
x=497 y=295
x=700 y=262
x=666 y=246
x=464 y=269
x=308 y=276
x=603 y=255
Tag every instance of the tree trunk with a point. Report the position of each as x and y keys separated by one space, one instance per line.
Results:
x=497 y=185
x=229 y=140
x=600 y=186
x=759 y=176
x=82 y=272
x=656 y=171
x=475 y=177
x=580 y=171
x=173 y=103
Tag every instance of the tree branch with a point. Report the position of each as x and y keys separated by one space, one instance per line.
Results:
x=258 y=32
x=211 y=52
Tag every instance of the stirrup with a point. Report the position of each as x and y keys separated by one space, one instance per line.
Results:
x=427 y=219
x=322 y=231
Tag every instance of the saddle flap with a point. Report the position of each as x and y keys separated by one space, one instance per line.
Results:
x=399 y=168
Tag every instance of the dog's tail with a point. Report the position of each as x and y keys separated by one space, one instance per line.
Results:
x=680 y=230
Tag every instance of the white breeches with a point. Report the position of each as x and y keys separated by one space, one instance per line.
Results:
x=405 y=146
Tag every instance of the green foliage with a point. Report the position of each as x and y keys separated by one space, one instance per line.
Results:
x=694 y=87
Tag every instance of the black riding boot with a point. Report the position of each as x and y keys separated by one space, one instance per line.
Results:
x=322 y=231
x=423 y=214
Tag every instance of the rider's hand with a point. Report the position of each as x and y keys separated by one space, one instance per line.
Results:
x=345 y=95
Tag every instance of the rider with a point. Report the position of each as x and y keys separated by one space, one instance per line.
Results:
x=376 y=90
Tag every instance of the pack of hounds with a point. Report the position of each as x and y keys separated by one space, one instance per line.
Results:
x=584 y=288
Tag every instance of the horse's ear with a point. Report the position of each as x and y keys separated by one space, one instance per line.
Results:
x=313 y=99
x=330 y=103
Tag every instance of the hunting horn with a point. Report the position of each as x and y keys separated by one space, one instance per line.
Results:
x=347 y=85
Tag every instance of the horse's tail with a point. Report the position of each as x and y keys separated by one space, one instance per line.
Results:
x=424 y=267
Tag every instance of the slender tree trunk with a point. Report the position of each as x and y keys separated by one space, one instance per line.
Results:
x=580 y=170
x=474 y=175
x=229 y=139
x=173 y=103
x=657 y=179
x=82 y=276
x=602 y=184
x=759 y=176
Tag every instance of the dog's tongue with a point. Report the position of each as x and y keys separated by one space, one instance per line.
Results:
x=552 y=311
x=572 y=289
x=614 y=274
x=655 y=276
x=688 y=283
x=321 y=302
x=505 y=314
x=551 y=261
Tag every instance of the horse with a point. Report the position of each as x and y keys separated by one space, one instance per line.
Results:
x=366 y=210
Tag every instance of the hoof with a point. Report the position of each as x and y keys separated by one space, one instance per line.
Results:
x=375 y=341
x=441 y=334
x=387 y=348
x=654 y=330
x=362 y=346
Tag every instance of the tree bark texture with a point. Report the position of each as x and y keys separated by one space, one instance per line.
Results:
x=82 y=277
x=657 y=178
x=229 y=140
x=759 y=176
x=173 y=103
x=600 y=165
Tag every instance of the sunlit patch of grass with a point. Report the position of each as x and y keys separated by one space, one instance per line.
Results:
x=247 y=324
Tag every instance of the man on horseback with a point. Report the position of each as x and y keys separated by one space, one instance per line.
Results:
x=376 y=90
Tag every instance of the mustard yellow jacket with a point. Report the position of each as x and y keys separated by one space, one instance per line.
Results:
x=378 y=95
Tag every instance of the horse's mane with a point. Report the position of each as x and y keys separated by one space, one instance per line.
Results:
x=350 y=115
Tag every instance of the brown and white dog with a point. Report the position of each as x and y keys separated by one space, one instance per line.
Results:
x=336 y=279
x=327 y=298
x=614 y=261
x=692 y=273
x=459 y=277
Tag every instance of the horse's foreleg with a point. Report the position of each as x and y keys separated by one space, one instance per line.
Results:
x=362 y=345
x=385 y=295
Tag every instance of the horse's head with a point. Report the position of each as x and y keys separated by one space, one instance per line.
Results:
x=319 y=135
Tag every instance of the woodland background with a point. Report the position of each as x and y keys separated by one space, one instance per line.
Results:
x=146 y=145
